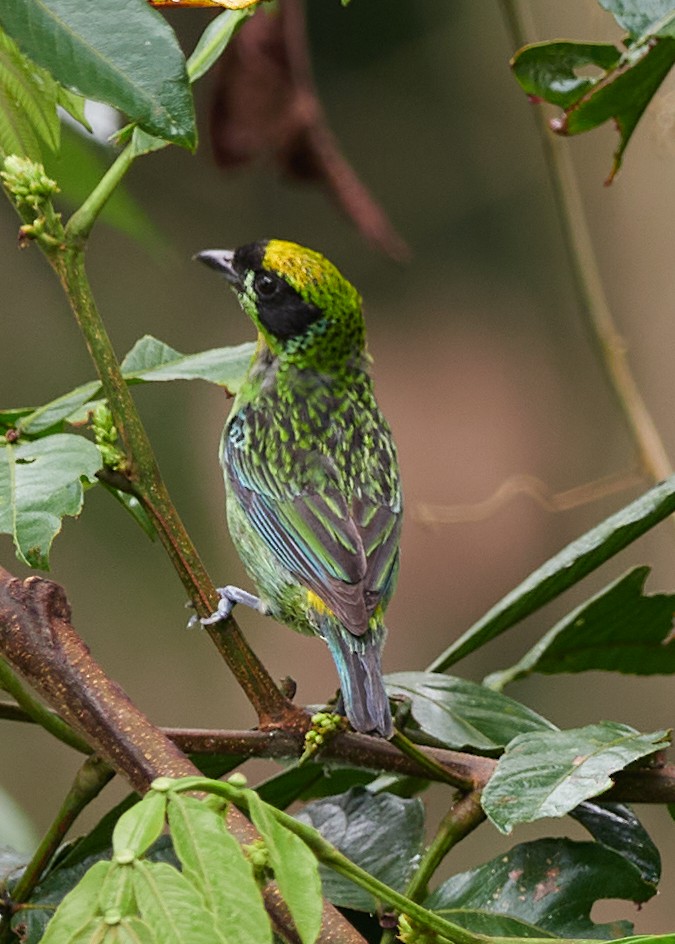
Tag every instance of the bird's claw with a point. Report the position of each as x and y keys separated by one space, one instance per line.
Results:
x=229 y=597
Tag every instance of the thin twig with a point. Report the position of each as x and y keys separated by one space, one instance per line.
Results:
x=587 y=280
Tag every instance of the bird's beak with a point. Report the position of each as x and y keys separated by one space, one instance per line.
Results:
x=220 y=260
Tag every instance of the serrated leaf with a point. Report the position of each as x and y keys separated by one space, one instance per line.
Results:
x=140 y=69
x=152 y=360
x=617 y=827
x=567 y=568
x=458 y=713
x=295 y=870
x=548 y=773
x=383 y=834
x=618 y=630
x=141 y=825
x=27 y=115
x=172 y=907
x=550 y=883
x=40 y=483
x=79 y=907
x=214 y=862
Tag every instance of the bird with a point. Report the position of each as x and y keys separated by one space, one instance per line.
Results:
x=313 y=491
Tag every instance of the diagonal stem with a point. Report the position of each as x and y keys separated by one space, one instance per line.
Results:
x=587 y=280
x=270 y=704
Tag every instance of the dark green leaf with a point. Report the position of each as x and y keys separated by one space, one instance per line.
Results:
x=214 y=862
x=552 y=70
x=383 y=834
x=173 y=907
x=550 y=883
x=309 y=782
x=548 y=773
x=40 y=483
x=139 y=69
x=493 y=925
x=626 y=84
x=457 y=713
x=140 y=826
x=295 y=870
x=618 y=630
x=567 y=568
x=617 y=827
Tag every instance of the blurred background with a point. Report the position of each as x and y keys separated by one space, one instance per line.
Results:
x=482 y=363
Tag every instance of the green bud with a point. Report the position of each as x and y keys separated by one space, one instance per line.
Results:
x=237 y=779
x=27 y=182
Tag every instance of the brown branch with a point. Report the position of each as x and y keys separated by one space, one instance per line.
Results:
x=38 y=640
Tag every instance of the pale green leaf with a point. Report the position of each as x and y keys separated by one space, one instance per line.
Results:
x=548 y=773
x=172 y=907
x=214 y=862
x=78 y=909
x=140 y=826
x=213 y=41
x=40 y=483
x=295 y=870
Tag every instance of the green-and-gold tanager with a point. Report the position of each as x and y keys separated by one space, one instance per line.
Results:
x=311 y=474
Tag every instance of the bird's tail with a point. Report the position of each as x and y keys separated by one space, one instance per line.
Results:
x=357 y=659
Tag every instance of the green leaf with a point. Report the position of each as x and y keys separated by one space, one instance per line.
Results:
x=626 y=84
x=139 y=69
x=551 y=70
x=567 y=568
x=213 y=41
x=383 y=834
x=458 y=713
x=172 y=907
x=78 y=908
x=295 y=870
x=550 y=883
x=150 y=360
x=214 y=862
x=27 y=111
x=618 y=630
x=140 y=826
x=641 y=17
x=548 y=773
x=134 y=931
x=40 y=483
x=493 y=925
x=52 y=414
x=617 y=827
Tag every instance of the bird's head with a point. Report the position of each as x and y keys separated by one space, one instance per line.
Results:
x=305 y=310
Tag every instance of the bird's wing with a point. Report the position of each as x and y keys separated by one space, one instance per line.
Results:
x=344 y=555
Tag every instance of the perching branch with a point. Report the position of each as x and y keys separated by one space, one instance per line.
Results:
x=38 y=640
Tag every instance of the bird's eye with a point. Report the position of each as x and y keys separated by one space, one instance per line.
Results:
x=265 y=284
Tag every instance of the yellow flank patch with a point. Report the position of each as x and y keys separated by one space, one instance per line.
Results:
x=317 y=604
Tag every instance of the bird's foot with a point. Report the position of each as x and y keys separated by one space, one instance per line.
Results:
x=229 y=597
